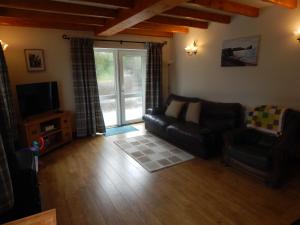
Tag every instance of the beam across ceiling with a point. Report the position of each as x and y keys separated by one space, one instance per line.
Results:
x=178 y=22
x=142 y=32
x=113 y=3
x=141 y=11
x=229 y=6
x=291 y=4
x=161 y=27
x=59 y=7
x=53 y=25
x=50 y=17
x=197 y=14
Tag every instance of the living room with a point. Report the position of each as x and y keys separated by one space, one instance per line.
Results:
x=187 y=76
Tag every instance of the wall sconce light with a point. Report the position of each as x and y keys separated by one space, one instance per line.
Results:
x=297 y=34
x=4 y=45
x=192 y=49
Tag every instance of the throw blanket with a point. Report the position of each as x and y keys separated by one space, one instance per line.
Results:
x=267 y=118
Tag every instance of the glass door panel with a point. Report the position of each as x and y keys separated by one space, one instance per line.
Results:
x=121 y=83
x=106 y=71
x=132 y=71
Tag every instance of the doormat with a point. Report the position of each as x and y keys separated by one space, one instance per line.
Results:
x=119 y=130
x=153 y=153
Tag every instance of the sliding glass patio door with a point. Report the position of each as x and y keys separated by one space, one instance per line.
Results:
x=121 y=82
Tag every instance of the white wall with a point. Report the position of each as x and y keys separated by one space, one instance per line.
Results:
x=57 y=57
x=276 y=79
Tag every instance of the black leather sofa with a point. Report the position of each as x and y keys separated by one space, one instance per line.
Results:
x=264 y=155
x=203 y=139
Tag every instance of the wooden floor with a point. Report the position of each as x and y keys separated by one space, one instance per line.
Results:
x=91 y=182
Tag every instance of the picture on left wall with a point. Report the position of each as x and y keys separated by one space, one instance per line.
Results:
x=35 y=60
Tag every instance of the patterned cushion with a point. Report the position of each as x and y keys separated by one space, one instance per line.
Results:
x=267 y=118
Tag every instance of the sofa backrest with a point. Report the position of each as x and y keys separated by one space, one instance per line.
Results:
x=221 y=116
x=213 y=115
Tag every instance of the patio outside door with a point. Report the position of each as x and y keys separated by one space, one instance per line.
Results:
x=121 y=82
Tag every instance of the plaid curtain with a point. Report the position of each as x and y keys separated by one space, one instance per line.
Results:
x=9 y=133
x=6 y=196
x=89 y=118
x=154 y=75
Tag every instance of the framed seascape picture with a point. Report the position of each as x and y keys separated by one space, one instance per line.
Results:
x=240 y=51
x=35 y=60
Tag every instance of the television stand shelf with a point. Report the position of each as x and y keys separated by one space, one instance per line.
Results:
x=55 y=128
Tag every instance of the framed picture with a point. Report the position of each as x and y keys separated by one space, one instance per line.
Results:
x=35 y=60
x=240 y=51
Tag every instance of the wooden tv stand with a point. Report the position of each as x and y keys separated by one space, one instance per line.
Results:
x=55 y=128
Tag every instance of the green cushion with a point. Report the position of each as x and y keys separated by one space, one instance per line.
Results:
x=251 y=155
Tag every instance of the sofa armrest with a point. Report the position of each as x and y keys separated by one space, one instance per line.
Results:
x=154 y=111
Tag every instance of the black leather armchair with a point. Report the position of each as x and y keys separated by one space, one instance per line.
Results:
x=261 y=154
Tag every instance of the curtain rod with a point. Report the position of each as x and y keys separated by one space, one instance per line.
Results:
x=66 y=37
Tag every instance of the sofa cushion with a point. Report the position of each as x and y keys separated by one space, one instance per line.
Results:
x=249 y=136
x=190 y=135
x=252 y=155
x=174 y=109
x=188 y=130
x=193 y=112
x=159 y=121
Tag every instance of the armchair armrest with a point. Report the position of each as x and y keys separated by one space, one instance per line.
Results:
x=282 y=152
x=154 y=111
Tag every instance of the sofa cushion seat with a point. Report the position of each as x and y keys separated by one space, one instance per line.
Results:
x=255 y=156
x=188 y=134
x=159 y=121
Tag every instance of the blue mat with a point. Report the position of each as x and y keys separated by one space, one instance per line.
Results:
x=119 y=130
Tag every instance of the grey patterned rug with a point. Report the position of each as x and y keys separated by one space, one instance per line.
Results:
x=152 y=152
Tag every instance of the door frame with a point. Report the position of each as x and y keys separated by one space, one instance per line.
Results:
x=119 y=81
x=143 y=54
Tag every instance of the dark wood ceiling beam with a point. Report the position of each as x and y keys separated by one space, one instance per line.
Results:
x=142 y=32
x=5 y=21
x=114 y=3
x=50 y=17
x=178 y=22
x=53 y=25
x=290 y=4
x=141 y=11
x=161 y=27
x=197 y=14
x=229 y=6
x=60 y=7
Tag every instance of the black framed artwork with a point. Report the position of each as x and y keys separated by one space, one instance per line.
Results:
x=35 y=61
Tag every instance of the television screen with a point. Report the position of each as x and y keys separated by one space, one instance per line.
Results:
x=37 y=98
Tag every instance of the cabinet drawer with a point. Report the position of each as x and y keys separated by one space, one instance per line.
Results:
x=34 y=130
x=67 y=134
x=66 y=121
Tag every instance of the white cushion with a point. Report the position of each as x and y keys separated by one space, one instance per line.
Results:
x=174 y=108
x=193 y=112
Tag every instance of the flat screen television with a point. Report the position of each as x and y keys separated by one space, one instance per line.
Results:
x=37 y=98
